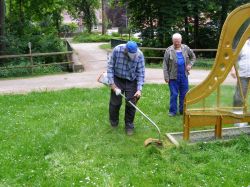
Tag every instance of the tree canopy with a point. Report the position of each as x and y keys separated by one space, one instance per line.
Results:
x=196 y=20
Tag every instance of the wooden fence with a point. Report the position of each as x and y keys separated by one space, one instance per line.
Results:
x=163 y=49
x=68 y=54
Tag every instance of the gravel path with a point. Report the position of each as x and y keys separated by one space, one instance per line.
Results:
x=94 y=60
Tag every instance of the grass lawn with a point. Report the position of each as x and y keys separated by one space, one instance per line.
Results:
x=63 y=138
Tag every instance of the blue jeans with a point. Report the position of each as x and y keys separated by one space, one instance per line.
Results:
x=177 y=87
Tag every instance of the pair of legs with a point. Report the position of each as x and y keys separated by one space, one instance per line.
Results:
x=238 y=100
x=128 y=88
x=177 y=87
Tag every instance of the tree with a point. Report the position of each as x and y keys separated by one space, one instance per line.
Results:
x=154 y=19
x=103 y=17
x=116 y=14
x=196 y=20
x=84 y=9
x=192 y=14
x=22 y=15
x=2 y=25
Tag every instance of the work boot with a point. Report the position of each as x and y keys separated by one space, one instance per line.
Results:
x=129 y=132
x=170 y=114
x=114 y=124
x=129 y=128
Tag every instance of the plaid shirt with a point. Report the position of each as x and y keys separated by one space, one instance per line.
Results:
x=121 y=66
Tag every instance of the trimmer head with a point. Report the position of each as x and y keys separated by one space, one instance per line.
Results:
x=153 y=141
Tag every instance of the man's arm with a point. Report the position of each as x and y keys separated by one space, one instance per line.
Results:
x=165 y=66
x=140 y=73
x=192 y=58
x=110 y=68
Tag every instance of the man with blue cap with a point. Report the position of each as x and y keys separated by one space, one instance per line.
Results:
x=126 y=72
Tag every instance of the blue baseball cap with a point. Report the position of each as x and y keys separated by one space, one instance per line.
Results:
x=132 y=46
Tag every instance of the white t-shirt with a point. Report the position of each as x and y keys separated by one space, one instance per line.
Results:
x=244 y=60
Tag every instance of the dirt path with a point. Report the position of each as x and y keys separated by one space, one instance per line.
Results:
x=91 y=56
x=94 y=60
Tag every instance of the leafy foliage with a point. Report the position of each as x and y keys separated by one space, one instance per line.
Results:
x=85 y=10
x=32 y=22
x=198 y=21
x=96 y=37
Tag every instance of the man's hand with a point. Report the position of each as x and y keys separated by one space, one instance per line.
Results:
x=137 y=94
x=116 y=89
x=233 y=73
x=188 y=67
x=167 y=81
x=113 y=87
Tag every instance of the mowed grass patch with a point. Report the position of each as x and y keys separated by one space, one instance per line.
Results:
x=63 y=138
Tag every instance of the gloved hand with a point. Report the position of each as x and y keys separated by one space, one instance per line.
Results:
x=117 y=91
x=137 y=94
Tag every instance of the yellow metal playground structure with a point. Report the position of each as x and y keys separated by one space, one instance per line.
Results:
x=210 y=103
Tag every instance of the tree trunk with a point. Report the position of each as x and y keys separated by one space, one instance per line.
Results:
x=186 y=31
x=21 y=16
x=2 y=23
x=103 y=18
x=196 y=28
x=224 y=10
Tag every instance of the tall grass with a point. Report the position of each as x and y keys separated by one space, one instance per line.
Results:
x=63 y=138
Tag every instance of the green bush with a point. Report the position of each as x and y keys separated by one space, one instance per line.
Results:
x=97 y=37
x=153 y=53
x=93 y=37
x=115 y=34
x=204 y=63
x=39 y=44
x=69 y=28
x=39 y=70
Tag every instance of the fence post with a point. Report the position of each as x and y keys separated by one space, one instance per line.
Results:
x=31 y=59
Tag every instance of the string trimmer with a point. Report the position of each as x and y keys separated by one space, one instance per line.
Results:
x=104 y=80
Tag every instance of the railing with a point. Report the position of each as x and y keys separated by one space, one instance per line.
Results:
x=31 y=65
x=162 y=49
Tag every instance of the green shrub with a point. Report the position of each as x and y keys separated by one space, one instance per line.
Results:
x=204 y=63
x=39 y=70
x=97 y=37
x=93 y=37
x=115 y=34
x=69 y=28
x=49 y=42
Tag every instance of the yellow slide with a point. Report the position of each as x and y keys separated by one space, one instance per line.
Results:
x=235 y=32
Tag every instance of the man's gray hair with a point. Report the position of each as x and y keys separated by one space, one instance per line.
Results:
x=177 y=36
